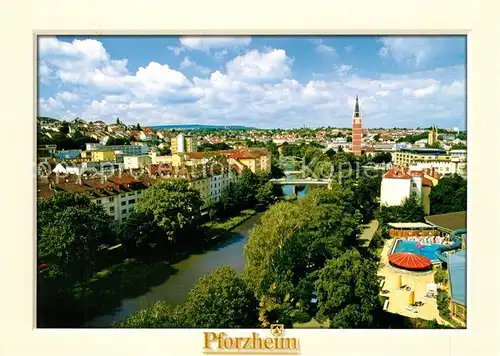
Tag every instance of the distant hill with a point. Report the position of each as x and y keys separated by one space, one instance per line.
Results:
x=200 y=127
x=47 y=119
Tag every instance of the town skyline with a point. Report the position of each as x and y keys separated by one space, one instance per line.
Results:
x=258 y=82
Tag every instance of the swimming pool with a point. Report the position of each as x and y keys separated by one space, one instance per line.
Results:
x=428 y=251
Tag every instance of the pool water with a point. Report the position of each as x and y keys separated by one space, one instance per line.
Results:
x=428 y=251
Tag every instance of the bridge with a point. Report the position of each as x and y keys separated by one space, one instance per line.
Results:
x=292 y=172
x=289 y=181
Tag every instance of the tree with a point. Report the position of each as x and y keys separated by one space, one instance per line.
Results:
x=70 y=231
x=384 y=157
x=409 y=211
x=64 y=129
x=450 y=195
x=222 y=299
x=138 y=127
x=118 y=121
x=174 y=207
x=160 y=315
x=347 y=290
x=330 y=153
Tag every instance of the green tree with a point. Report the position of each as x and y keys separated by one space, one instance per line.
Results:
x=450 y=195
x=174 y=207
x=347 y=290
x=384 y=157
x=64 y=129
x=160 y=315
x=220 y=300
x=70 y=231
x=409 y=211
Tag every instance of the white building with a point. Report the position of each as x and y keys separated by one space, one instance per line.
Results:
x=65 y=168
x=401 y=183
x=136 y=162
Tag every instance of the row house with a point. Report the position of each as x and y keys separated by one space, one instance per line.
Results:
x=117 y=194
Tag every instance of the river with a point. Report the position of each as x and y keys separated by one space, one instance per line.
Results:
x=177 y=286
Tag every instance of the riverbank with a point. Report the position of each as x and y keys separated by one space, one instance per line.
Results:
x=132 y=278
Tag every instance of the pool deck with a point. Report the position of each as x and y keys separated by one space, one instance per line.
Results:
x=399 y=298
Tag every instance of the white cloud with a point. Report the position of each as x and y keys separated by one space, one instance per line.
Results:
x=260 y=66
x=187 y=63
x=176 y=49
x=457 y=88
x=429 y=90
x=254 y=88
x=343 y=69
x=206 y=43
x=348 y=48
x=409 y=50
x=67 y=96
x=322 y=48
x=219 y=55
x=89 y=48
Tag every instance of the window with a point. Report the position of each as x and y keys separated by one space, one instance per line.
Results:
x=111 y=199
x=124 y=211
x=139 y=192
x=131 y=209
x=124 y=202
x=98 y=201
x=112 y=209
x=124 y=219
x=131 y=201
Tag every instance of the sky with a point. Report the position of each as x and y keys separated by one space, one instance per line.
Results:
x=258 y=81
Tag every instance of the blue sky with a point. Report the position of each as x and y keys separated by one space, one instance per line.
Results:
x=254 y=81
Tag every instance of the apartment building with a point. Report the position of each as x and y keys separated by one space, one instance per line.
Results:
x=134 y=149
x=117 y=194
x=136 y=162
x=183 y=144
x=399 y=183
x=445 y=162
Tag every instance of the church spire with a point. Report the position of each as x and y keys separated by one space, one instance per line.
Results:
x=356 y=108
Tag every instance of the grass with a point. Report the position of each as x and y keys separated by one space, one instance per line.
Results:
x=312 y=324
x=216 y=228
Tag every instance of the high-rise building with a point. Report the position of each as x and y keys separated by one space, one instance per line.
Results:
x=432 y=138
x=356 y=130
x=183 y=144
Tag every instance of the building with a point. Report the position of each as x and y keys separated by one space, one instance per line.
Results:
x=432 y=137
x=356 y=130
x=45 y=151
x=157 y=159
x=117 y=194
x=255 y=159
x=183 y=144
x=136 y=162
x=401 y=183
x=98 y=155
x=71 y=154
x=457 y=272
x=449 y=222
x=445 y=162
x=135 y=149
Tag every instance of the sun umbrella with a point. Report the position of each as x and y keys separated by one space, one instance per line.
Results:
x=409 y=260
x=419 y=245
x=411 y=300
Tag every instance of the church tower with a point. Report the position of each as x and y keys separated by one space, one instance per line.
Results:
x=357 y=135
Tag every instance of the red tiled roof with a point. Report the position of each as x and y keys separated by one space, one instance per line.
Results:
x=427 y=182
x=123 y=178
x=397 y=173
x=196 y=155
